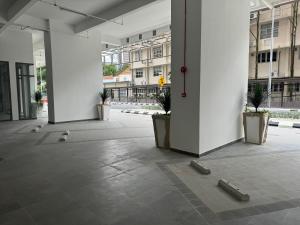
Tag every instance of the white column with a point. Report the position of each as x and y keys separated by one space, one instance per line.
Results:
x=217 y=73
x=74 y=73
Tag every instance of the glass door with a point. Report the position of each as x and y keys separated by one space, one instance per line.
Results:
x=26 y=87
x=5 y=101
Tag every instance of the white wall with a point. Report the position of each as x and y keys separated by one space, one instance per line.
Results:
x=216 y=82
x=15 y=46
x=224 y=71
x=74 y=73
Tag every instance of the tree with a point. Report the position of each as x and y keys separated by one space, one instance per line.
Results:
x=41 y=79
x=110 y=70
x=41 y=73
x=294 y=23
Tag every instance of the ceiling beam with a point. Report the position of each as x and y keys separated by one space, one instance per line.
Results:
x=110 y=14
x=15 y=11
x=275 y=6
x=110 y=40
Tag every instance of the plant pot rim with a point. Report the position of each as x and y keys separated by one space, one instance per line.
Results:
x=103 y=104
x=159 y=115
x=257 y=113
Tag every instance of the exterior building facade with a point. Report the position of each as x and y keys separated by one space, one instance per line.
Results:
x=149 y=57
x=284 y=87
x=150 y=63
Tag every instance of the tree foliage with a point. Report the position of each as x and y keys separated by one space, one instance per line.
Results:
x=110 y=70
x=41 y=73
x=104 y=95
x=164 y=100
x=257 y=97
x=113 y=70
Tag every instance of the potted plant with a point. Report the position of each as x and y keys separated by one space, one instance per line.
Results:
x=161 y=122
x=35 y=106
x=256 y=123
x=103 y=107
x=38 y=98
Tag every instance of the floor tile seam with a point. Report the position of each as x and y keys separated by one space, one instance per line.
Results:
x=210 y=158
x=97 y=140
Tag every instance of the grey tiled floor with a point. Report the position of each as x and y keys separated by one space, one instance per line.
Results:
x=109 y=173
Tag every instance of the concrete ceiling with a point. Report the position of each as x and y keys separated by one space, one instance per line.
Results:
x=258 y=4
x=146 y=18
x=44 y=11
x=137 y=15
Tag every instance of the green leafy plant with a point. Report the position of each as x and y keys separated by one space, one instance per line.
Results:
x=257 y=97
x=38 y=97
x=164 y=100
x=104 y=95
x=110 y=70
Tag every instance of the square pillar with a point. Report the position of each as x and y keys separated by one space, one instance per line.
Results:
x=217 y=51
x=74 y=73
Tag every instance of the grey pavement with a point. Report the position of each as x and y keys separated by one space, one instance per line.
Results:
x=110 y=173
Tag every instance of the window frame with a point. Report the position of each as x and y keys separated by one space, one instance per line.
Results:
x=137 y=55
x=139 y=73
x=266 y=30
x=156 y=53
x=157 y=73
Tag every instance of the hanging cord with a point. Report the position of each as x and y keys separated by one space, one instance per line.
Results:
x=184 y=67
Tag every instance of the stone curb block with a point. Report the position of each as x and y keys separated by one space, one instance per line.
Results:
x=233 y=190
x=201 y=169
x=273 y=123
x=64 y=138
x=296 y=125
x=278 y=124
x=67 y=132
x=36 y=130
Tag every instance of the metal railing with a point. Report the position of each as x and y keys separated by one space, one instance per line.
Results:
x=136 y=94
x=285 y=92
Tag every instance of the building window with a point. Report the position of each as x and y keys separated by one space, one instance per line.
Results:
x=265 y=87
x=276 y=88
x=157 y=71
x=266 y=30
x=137 y=55
x=139 y=73
x=297 y=87
x=140 y=36
x=249 y=88
x=154 y=33
x=264 y=57
x=157 y=52
x=281 y=86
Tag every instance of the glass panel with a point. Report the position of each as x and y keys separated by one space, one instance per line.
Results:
x=26 y=88
x=5 y=103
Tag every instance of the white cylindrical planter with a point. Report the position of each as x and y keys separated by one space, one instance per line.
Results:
x=255 y=127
